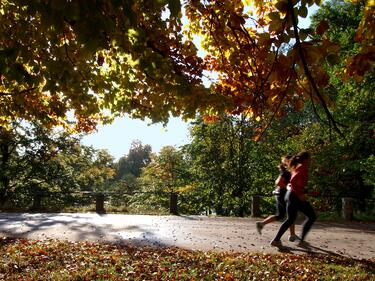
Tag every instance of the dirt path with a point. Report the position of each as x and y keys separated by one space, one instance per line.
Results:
x=356 y=240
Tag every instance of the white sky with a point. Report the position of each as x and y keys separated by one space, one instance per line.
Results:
x=117 y=137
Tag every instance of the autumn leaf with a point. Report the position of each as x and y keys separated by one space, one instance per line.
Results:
x=322 y=27
x=24 y=259
x=135 y=58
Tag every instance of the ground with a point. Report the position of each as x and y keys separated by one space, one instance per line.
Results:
x=350 y=239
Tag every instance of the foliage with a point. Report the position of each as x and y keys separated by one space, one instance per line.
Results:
x=346 y=164
x=93 y=168
x=87 y=57
x=60 y=260
x=228 y=165
x=24 y=151
x=59 y=57
x=139 y=156
x=342 y=165
x=165 y=174
x=36 y=161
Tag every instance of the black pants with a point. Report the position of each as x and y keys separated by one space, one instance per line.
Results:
x=294 y=204
x=280 y=206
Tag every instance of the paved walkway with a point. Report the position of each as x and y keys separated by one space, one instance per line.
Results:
x=356 y=240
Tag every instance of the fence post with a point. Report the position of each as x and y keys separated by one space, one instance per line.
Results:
x=255 y=206
x=99 y=203
x=173 y=203
x=347 y=208
x=37 y=202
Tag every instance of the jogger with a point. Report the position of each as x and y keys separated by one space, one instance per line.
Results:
x=296 y=198
x=280 y=192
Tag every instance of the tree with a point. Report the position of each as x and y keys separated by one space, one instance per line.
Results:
x=208 y=153
x=36 y=161
x=24 y=152
x=93 y=168
x=166 y=173
x=138 y=57
x=341 y=166
x=139 y=156
x=128 y=170
x=354 y=108
x=228 y=164
x=166 y=170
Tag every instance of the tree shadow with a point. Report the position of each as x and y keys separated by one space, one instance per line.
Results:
x=310 y=249
x=190 y=218
x=368 y=227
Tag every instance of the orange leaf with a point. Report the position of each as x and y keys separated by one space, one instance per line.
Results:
x=322 y=27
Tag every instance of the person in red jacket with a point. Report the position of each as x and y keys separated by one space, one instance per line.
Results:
x=296 y=200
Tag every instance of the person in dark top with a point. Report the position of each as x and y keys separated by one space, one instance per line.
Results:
x=279 y=192
x=296 y=200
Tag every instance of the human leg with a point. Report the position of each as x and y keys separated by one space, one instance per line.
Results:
x=281 y=210
x=279 y=215
x=293 y=236
x=280 y=207
x=309 y=212
x=292 y=208
x=269 y=219
x=261 y=224
x=292 y=229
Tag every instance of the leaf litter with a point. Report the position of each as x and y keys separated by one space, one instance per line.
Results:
x=24 y=259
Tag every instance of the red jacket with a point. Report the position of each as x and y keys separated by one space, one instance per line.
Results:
x=299 y=180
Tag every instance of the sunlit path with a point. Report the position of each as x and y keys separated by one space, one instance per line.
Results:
x=193 y=232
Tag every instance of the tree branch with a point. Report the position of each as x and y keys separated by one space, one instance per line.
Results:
x=307 y=71
x=19 y=93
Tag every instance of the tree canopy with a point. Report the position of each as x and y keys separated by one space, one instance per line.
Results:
x=96 y=59
x=139 y=156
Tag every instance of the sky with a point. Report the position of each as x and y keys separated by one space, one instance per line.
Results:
x=117 y=137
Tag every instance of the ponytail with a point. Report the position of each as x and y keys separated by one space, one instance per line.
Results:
x=298 y=159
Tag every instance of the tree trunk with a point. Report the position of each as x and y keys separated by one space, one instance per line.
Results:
x=240 y=167
x=4 y=179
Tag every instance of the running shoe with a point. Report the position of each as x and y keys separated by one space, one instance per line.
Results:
x=293 y=238
x=259 y=226
x=275 y=243
x=303 y=244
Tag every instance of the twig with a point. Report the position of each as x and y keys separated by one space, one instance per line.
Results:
x=19 y=93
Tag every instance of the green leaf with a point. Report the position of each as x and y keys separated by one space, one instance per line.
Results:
x=332 y=59
x=302 y=12
x=302 y=35
x=276 y=25
x=21 y=71
x=174 y=7
x=282 y=6
x=274 y=15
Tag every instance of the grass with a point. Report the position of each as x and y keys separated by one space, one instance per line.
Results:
x=24 y=259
